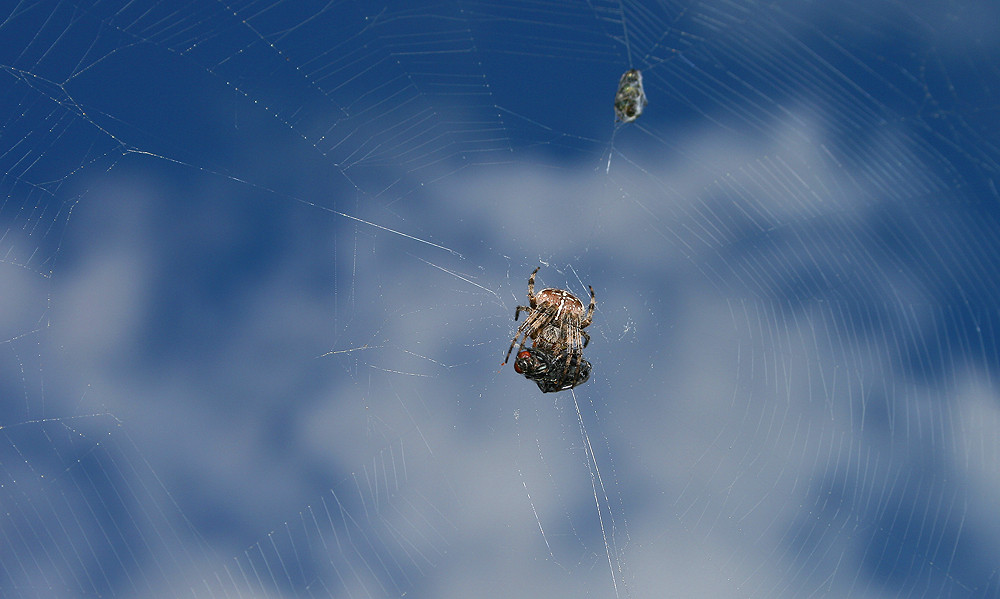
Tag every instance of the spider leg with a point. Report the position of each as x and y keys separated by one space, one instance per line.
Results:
x=580 y=360
x=574 y=349
x=531 y=288
x=511 y=348
x=529 y=325
x=590 y=310
x=521 y=331
x=535 y=322
x=586 y=338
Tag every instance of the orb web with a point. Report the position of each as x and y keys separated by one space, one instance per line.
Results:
x=259 y=262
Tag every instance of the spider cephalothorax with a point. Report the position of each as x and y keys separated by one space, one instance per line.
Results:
x=555 y=323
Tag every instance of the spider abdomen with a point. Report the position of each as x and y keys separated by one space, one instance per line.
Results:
x=562 y=302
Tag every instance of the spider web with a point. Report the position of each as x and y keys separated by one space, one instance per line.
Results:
x=259 y=261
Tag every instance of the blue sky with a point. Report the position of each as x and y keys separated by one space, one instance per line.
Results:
x=259 y=263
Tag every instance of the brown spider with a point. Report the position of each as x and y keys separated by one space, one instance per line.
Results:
x=555 y=324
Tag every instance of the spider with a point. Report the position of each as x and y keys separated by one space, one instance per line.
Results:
x=555 y=324
x=630 y=99
x=545 y=370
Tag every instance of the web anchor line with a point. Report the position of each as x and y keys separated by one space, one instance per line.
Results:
x=615 y=563
x=301 y=201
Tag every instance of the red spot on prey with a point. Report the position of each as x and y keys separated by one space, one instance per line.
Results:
x=523 y=354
